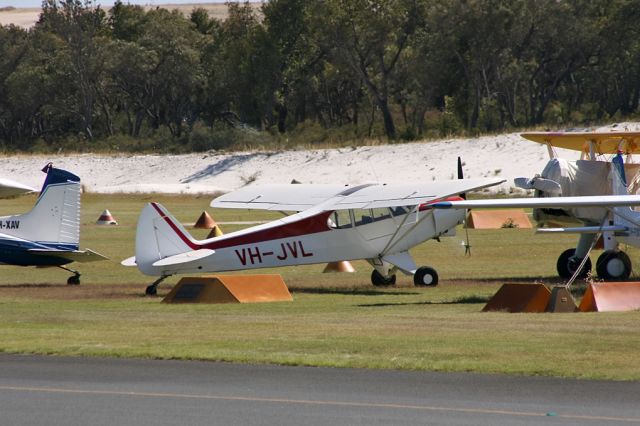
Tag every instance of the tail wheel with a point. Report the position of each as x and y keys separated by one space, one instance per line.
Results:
x=379 y=280
x=74 y=280
x=568 y=264
x=425 y=277
x=613 y=265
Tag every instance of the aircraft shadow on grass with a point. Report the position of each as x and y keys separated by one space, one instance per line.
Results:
x=465 y=300
x=349 y=292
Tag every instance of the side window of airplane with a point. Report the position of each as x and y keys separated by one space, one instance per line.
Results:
x=380 y=214
x=362 y=216
x=340 y=219
x=398 y=211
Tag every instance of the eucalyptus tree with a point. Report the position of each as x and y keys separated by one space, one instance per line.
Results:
x=81 y=27
x=370 y=36
x=15 y=124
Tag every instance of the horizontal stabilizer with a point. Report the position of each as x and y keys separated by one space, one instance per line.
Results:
x=581 y=230
x=130 y=261
x=82 y=256
x=182 y=258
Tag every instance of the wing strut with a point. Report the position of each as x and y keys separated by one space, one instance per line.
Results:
x=393 y=243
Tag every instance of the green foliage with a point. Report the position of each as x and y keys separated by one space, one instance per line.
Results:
x=309 y=72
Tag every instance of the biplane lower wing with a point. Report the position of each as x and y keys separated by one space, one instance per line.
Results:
x=550 y=202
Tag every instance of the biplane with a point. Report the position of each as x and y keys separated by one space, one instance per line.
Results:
x=49 y=234
x=591 y=175
x=329 y=223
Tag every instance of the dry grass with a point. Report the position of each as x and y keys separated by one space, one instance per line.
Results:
x=335 y=319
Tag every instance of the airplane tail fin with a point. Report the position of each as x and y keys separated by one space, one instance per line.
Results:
x=55 y=218
x=158 y=236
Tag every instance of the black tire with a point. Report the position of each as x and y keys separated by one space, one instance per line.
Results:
x=379 y=280
x=74 y=280
x=613 y=265
x=151 y=290
x=567 y=265
x=425 y=277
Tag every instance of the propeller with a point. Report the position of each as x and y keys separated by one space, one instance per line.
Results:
x=466 y=244
x=541 y=184
x=460 y=176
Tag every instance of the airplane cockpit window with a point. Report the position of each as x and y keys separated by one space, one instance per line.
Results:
x=398 y=211
x=340 y=219
x=380 y=214
x=362 y=216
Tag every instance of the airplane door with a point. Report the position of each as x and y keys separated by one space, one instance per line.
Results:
x=374 y=223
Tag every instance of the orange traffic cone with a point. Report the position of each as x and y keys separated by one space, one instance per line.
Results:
x=106 y=218
x=215 y=232
x=205 y=222
x=344 y=266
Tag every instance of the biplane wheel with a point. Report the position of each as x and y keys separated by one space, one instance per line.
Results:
x=567 y=265
x=73 y=280
x=379 y=280
x=613 y=265
x=151 y=290
x=425 y=277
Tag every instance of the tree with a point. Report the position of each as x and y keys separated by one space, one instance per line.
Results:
x=81 y=27
x=370 y=36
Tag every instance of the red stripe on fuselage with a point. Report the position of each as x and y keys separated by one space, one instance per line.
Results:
x=306 y=226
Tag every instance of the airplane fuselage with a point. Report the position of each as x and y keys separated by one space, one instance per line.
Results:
x=308 y=238
x=16 y=251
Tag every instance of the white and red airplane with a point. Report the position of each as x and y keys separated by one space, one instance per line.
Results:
x=376 y=222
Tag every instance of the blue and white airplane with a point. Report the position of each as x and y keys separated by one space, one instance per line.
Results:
x=49 y=234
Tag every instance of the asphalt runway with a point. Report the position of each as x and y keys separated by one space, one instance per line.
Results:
x=37 y=390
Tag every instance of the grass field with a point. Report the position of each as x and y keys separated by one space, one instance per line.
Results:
x=335 y=319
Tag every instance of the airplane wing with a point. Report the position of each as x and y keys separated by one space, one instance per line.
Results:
x=10 y=188
x=82 y=256
x=605 y=142
x=550 y=202
x=339 y=197
x=393 y=195
x=278 y=197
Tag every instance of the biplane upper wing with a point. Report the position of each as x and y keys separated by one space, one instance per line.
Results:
x=549 y=202
x=604 y=142
x=339 y=197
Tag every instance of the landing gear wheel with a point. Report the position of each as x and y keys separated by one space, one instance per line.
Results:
x=151 y=290
x=613 y=265
x=567 y=265
x=425 y=277
x=379 y=280
x=74 y=280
